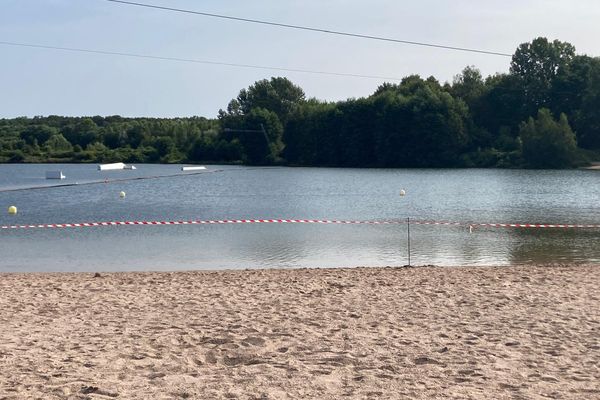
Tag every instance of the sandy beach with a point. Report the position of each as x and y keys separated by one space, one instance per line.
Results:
x=364 y=333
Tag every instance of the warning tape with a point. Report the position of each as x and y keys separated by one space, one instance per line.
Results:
x=297 y=221
x=198 y=222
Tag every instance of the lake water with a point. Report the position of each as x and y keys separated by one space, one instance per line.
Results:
x=235 y=192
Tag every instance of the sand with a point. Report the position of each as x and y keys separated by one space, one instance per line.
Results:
x=364 y=333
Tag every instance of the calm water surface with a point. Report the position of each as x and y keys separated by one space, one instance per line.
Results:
x=230 y=192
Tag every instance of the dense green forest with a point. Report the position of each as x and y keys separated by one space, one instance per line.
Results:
x=544 y=113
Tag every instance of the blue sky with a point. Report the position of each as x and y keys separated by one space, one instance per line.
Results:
x=43 y=82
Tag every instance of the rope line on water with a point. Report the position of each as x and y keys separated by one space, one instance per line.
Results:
x=135 y=178
x=299 y=221
x=113 y=180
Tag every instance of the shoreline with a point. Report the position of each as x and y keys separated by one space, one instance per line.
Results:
x=291 y=269
x=363 y=332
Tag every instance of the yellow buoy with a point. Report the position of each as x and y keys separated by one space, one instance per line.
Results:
x=122 y=195
x=402 y=192
x=12 y=210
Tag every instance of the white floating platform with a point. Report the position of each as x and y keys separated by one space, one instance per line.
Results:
x=55 y=175
x=114 y=166
x=110 y=167
x=195 y=168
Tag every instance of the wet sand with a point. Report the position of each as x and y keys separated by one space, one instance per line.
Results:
x=365 y=333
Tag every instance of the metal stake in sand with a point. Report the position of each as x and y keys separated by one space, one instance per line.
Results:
x=408 y=233
x=402 y=194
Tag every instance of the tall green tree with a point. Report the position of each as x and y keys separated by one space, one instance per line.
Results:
x=576 y=92
x=500 y=109
x=38 y=133
x=58 y=143
x=267 y=104
x=548 y=143
x=420 y=125
x=538 y=64
x=278 y=95
x=469 y=85
x=259 y=134
x=83 y=132
x=309 y=138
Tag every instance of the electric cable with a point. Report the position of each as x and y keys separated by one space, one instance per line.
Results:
x=312 y=29
x=195 y=61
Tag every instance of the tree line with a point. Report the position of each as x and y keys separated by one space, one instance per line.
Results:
x=543 y=113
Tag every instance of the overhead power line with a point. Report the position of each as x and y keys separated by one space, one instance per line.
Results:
x=195 y=61
x=307 y=28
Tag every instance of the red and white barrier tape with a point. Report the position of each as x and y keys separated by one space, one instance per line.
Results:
x=296 y=221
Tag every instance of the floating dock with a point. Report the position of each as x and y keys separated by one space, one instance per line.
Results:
x=114 y=167
x=193 y=168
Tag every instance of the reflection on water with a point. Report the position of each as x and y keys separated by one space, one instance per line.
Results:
x=555 y=246
x=239 y=192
